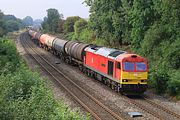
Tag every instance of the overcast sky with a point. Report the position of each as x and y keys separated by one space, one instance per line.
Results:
x=37 y=8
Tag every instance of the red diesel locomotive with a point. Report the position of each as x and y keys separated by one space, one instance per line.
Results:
x=123 y=72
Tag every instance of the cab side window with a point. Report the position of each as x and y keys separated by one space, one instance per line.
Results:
x=118 y=65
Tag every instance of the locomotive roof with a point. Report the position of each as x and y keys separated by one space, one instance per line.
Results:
x=106 y=52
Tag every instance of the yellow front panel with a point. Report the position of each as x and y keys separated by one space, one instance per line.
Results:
x=133 y=77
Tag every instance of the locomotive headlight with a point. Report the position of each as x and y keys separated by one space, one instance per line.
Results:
x=125 y=80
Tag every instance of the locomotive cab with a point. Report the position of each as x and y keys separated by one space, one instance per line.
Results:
x=134 y=72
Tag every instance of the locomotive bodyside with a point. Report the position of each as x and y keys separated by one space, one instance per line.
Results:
x=113 y=66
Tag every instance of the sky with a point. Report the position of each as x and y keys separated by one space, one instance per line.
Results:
x=37 y=8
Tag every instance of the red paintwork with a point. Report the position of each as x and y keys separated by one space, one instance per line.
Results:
x=117 y=71
x=100 y=63
x=95 y=61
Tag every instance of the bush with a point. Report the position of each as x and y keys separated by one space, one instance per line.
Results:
x=24 y=94
x=79 y=26
x=87 y=36
x=9 y=60
x=153 y=37
x=161 y=81
x=174 y=83
x=69 y=23
x=70 y=36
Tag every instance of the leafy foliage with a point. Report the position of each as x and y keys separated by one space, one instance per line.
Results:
x=150 y=27
x=79 y=26
x=174 y=83
x=69 y=23
x=51 y=22
x=9 y=60
x=28 y=21
x=9 y=23
x=24 y=94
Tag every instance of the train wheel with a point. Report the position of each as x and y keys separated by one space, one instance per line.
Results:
x=84 y=70
x=95 y=76
x=62 y=58
x=105 y=82
x=108 y=83
x=66 y=61
x=116 y=87
x=80 y=68
x=112 y=85
x=88 y=73
x=92 y=74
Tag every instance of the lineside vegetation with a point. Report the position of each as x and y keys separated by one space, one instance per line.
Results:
x=23 y=93
x=150 y=28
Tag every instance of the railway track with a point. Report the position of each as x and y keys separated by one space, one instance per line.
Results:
x=153 y=108
x=145 y=103
x=97 y=109
x=147 y=99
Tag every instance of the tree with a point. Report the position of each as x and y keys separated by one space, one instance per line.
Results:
x=109 y=19
x=28 y=21
x=69 y=23
x=51 y=22
x=150 y=27
x=2 y=25
x=60 y=26
x=161 y=46
x=45 y=25
x=11 y=25
x=141 y=17
x=9 y=17
x=79 y=26
x=1 y=14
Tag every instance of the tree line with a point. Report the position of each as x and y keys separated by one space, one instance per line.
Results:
x=150 y=28
x=9 y=23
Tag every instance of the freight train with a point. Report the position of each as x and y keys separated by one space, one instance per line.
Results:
x=123 y=72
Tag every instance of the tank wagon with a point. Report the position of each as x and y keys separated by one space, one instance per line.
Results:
x=123 y=72
x=46 y=41
x=58 y=46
